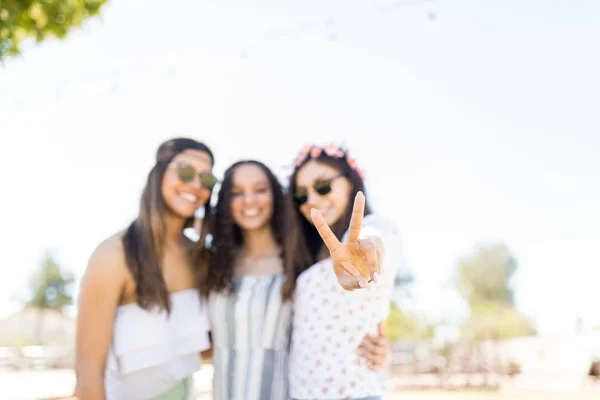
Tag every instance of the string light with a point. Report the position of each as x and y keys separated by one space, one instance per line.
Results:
x=328 y=24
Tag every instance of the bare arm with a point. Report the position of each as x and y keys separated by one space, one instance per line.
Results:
x=207 y=355
x=100 y=292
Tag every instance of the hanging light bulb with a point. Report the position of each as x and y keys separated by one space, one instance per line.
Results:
x=330 y=24
x=431 y=24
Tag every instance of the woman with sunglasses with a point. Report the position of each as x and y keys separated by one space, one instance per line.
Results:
x=257 y=255
x=141 y=321
x=345 y=294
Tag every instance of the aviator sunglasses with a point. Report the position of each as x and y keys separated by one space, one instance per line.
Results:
x=186 y=173
x=321 y=187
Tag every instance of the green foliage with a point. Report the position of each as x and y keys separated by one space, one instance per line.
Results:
x=17 y=342
x=484 y=279
x=40 y=20
x=402 y=326
x=497 y=322
x=50 y=286
x=485 y=275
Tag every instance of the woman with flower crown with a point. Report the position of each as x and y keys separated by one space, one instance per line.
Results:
x=345 y=294
x=258 y=251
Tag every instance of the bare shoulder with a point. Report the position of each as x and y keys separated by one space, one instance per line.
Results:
x=107 y=262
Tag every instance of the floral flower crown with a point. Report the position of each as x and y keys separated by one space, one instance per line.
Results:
x=332 y=150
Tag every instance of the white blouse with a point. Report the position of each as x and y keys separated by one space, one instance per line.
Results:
x=152 y=352
x=329 y=324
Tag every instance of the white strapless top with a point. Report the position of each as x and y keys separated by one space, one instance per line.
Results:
x=151 y=351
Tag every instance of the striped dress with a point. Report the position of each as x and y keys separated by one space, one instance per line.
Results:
x=251 y=334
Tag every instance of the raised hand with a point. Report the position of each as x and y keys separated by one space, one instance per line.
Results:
x=355 y=261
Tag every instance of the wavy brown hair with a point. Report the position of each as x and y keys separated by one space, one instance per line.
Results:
x=144 y=239
x=228 y=237
x=311 y=236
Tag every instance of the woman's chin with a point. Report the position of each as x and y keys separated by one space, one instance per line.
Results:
x=181 y=212
x=250 y=226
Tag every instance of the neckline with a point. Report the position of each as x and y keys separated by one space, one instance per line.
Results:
x=257 y=276
x=171 y=295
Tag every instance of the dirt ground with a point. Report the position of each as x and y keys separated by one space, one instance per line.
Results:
x=59 y=384
x=461 y=395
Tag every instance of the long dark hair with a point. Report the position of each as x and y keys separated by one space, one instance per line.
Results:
x=228 y=238
x=341 y=162
x=144 y=239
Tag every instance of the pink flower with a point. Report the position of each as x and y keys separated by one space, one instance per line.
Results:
x=302 y=154
x=352 y=162
x=315 y=152
x=331 y=150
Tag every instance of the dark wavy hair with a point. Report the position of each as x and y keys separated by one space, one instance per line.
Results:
x=144 y=239
x=227 y=237
x=313 y=241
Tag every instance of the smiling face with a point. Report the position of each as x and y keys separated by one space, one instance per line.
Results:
x=321 y=186
x=184 y=198
x=251 y=197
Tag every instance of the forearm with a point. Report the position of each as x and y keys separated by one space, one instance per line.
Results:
x=90 y=384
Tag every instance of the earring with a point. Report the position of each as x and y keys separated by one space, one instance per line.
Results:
x=193 y=232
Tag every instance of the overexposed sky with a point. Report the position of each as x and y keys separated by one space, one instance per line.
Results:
x=482 y=125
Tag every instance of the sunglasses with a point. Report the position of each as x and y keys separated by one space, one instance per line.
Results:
x=321 y=186
x=186 y=173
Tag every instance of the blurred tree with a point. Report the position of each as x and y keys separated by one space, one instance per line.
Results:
x=40 y=20
x=49 y=289
x=485 y=275
x=402 y=326
x=484 y=279
x=493 y=321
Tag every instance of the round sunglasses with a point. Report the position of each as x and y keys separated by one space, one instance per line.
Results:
x=321 y=186
x=186 y=173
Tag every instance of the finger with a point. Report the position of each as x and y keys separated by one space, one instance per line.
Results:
x=351 y=269
x=369 y=338
x=350 y=281
x=356 y=282
x=357 y=217
x=373 y=347
x=373 y=263
x=373 y=359
x=361 y=282
x=378 y=363
x=324 y=230
x=380 y=342
x=368 y=347
x=381 y=331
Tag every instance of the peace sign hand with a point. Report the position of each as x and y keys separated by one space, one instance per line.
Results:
x=355 y=261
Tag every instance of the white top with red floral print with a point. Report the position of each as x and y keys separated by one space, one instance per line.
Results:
x=329 y=323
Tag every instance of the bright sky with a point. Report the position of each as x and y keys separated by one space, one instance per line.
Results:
x=482 y=125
